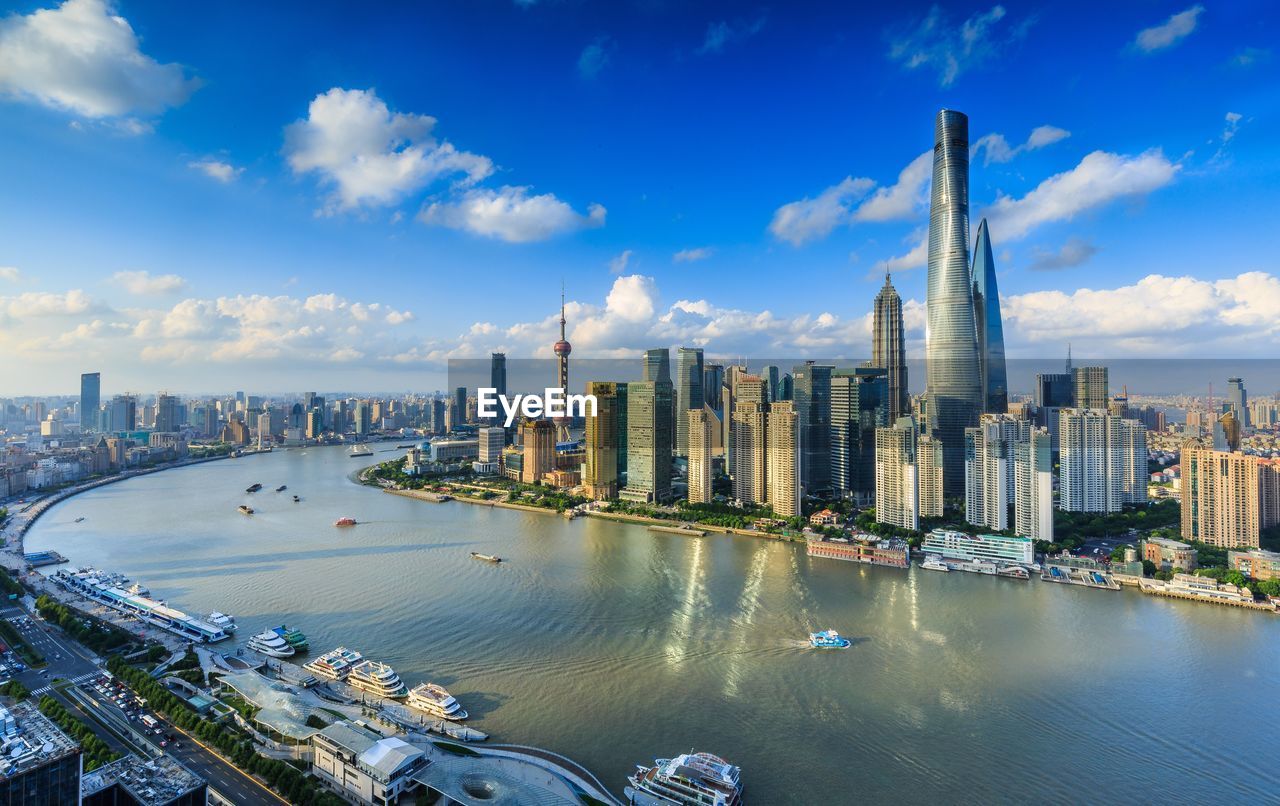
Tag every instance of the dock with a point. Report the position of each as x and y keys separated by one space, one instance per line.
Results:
x=1085 y=577
x=678 y=530
x=37 y=559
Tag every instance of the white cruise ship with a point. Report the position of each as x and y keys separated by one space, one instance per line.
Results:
x=270 y=643
x=690 y=779
x=437 y=702
x=221 y=620
x=377 y=678
x=335 y=664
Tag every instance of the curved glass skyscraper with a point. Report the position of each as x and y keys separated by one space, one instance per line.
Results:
x=953 y=385
x=989 y=327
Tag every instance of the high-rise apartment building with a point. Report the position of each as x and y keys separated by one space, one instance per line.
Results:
x=1228 y=497
x=861 y=401
x=889 y=348
x=90 y=400
x=1009 y=476
x=897 y=482
x=811 y=394
x=782 y=459
x=600 y=470
x=1089 y=386
x=539 y=440
x=689 y=393
x=700 y=427
x=1103 y=461
x=170 y=414
x=1033 y=493
x=650 y=435
x=747 y=431
x=929 y=476
x=953 y=386
x=988 y=325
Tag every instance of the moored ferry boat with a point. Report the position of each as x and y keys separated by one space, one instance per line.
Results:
x=269 y=643
x=932 y=563
x=335 y=664
x=828 y=639
x=293 y=638
x=691 y=779
x=226 y=622
x=435 y=701
x=377 y=678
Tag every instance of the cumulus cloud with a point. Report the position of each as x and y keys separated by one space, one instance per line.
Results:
x=916 y=257
x=619 y=264
x=144 y=282
x=1098 y=180
x=949 y=49
x=1170 y=32
x=693 y=255
x=997 y=149
x=809 y=219
x=370 y=155
x=723 y=33
x=40 y=304
x=82 y=58
x=220 y=170
x=511 y=214
x=1072 y=253
x=901 y=199
x=10 y=274
x=595 y=57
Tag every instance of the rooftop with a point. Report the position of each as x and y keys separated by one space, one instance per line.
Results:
x=29 y=739
x=281 y=708
x=156 y=781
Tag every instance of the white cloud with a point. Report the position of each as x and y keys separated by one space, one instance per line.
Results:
x=595 y=57
x=902 y=199
x=723 y=32
x=1233 y=125
x=371 y=155
x=997 y=149
x=39 y=304
x=951 y=50
x=693 y=255
x=216 y=169
x=1072 y=253
x=511 y=214
x=1099 y=179
x=10 y=274
x=143 y=282
x=809 y=219
x=1248 y=57
x=82 y=58
x=917 y=257
x=1170 y=32
x=619 y=264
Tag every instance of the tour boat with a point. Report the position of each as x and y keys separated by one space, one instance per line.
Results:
x=377 y=678
x=690 y=779
x=828 y=639
x=934 y=564
x=489 y=558
x=345 y=522
x=335 y=664
x=282 y=488
x=221 y=620
x=360 y=450
x=436 y=701
x=244 y=510
x=293 y=638
x=270 y=643
x=253 y=488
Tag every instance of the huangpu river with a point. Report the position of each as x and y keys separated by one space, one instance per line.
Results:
x=614 y=645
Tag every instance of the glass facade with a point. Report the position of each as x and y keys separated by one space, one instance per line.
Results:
x=989 y=327
x=689 y=393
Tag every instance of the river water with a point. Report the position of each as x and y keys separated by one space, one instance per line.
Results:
x=613 y=645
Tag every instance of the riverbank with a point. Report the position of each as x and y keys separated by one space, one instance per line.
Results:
x=438 y=498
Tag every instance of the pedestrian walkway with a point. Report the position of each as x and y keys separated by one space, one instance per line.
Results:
x=84 y=678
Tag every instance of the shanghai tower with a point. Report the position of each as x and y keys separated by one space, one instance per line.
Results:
x=952 y=383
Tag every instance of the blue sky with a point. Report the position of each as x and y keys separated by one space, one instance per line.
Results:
x=275 y=195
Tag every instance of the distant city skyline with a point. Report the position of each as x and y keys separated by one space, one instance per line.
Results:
x=161 y=226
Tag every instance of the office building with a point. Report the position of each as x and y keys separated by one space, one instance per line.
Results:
x=132 y=781
x=363 y=766
x=782 y=459
x=712 y=381
x=889 y=348
x=650 y=436
x=122 y=416
x=689 y=393
x=860 y=403
x=490 y=442
x=953 y=386
x=1238 y=400
x=1089 y=388
x=170 y=413
x=988 y=325
x=539 y=441
x=1102 y=461
x=772 y=379
x=620 y=391
x=811 y=394
x=929 y=476
x=747 y=432
x=600 y=471
x=657 y=365
x=1228 y=497
x=897 y=482
x=701 y=429
x=90 y=400
x=498 y=372
x=40 y=764
x=1169 y=555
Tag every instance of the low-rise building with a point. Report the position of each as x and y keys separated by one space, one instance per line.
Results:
x=453 y=450
x=1169 y=554
x=824 y=518
x=862 y=548
x=362 y=764
x=1000 y=549
x=1258 y=564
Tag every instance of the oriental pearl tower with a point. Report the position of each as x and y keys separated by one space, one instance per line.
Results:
x=562 y=350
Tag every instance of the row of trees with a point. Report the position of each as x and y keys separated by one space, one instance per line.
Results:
x=96 y=751
x=232 y=742
x=94 y=633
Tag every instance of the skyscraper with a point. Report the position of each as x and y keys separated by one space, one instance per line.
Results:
x=1228 y=498
x=1103 y=461
x=860 y=401
x=772 y=379
x=657 y=365
x=1033 y=491
x=897 y=484
x=562 y=349
x=498 y=372
x=169 y=413
x=782 y=459
x=701 y=423
x=689 y=393
x=459 y=405
x=123 y=415
x=748 y=438
x=812 y=397
x=929 y=476
x=539 y=450
x=1238 y=399
x=712 y=380
x=600 y=471
x=889 y=348
x=988 y=469
x=952 y=382
x=988 y=326
x=650 y=435
x=1089 y=386
x=90 y=400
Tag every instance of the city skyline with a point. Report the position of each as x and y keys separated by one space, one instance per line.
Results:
x=336 y=223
